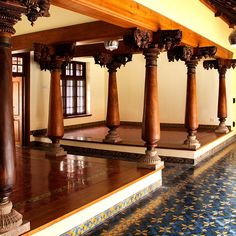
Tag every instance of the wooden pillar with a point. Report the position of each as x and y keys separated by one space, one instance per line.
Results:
x=113 y=116
x=11 y=222
x=152 y=43
x=222 y=103
x=55 y=115
x=191 y=114
x=191 y=56
x=52 y=58
x=221 y=65
x=151 y=119
x=112 y=62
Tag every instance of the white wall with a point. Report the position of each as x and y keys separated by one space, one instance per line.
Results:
x=172 y=78
x=39 y=94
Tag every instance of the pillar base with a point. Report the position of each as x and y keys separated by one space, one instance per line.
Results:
x=222 y=128
x=55 y=151
x=191 y=142
x=112 y=137
x=11 y=220
x=150 y=161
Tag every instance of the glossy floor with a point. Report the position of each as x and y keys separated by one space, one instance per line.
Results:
x=131 y=135
x=192 y=201
x=48 y=188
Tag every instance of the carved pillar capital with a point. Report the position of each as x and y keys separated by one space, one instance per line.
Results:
x=112 y=61
x=52 y=57
x=220 y=64
x=10 y=12
x=186 y=53
x=143 y=39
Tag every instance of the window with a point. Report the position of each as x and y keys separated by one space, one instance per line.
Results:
x=73 y=88
x=17 y=65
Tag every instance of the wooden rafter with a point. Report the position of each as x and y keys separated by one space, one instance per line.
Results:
x=130 y=14
x=226 y=9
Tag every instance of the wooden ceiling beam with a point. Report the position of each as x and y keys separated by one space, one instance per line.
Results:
x=93 y=49
x=87 y=33
x=129 y=14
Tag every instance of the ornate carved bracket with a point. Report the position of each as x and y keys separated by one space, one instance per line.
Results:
x=185 y=53
x=167 y=39
x=10 y=12
x=220 y=64
x=111 y=61
x=52 y=57
x=162 y=39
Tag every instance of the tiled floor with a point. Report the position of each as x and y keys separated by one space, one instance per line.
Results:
x=192 y=201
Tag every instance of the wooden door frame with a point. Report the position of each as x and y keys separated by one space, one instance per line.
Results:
x=25 y=97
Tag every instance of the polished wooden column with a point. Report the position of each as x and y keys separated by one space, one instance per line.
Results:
x=191 y=56
x=11 y=222
x=191 y=113
x=52 y=58
x=112 y=62
x=55 y=115
x=221 y=65
x=151 y=119
x=152 y=43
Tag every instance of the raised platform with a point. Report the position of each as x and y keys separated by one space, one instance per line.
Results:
x=75 y=193
x=89 y=141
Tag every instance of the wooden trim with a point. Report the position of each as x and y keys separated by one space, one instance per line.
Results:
x=76 y=116
x=25 y=98
x=131 y=14
x=85 y=125
x=26 y=102
x=214 y=10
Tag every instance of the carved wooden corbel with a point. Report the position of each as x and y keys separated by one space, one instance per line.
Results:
x=162 y=39
x=52 y=57
x=186 y=53
x=112 y=61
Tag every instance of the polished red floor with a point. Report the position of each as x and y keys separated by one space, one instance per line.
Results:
x=47 y=189
x=131 y=135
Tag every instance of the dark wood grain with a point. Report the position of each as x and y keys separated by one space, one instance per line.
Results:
x=47 y=189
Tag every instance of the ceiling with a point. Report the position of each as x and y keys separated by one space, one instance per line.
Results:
x=226 y=9
x=59 y=17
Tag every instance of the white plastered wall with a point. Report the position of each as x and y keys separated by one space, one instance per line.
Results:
x=39 y=94
x=172 y=79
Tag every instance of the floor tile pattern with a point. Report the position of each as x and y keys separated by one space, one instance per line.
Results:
x=199 y=201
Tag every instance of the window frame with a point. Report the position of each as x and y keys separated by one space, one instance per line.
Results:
x=73 y=74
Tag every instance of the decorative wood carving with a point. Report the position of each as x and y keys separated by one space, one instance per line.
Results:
x=138 y=38
x=221 y=65
x=162 y=39
x=167 y=39
x=10 y=13
x=51 y=57
x=112 y=62
x=185 y=53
